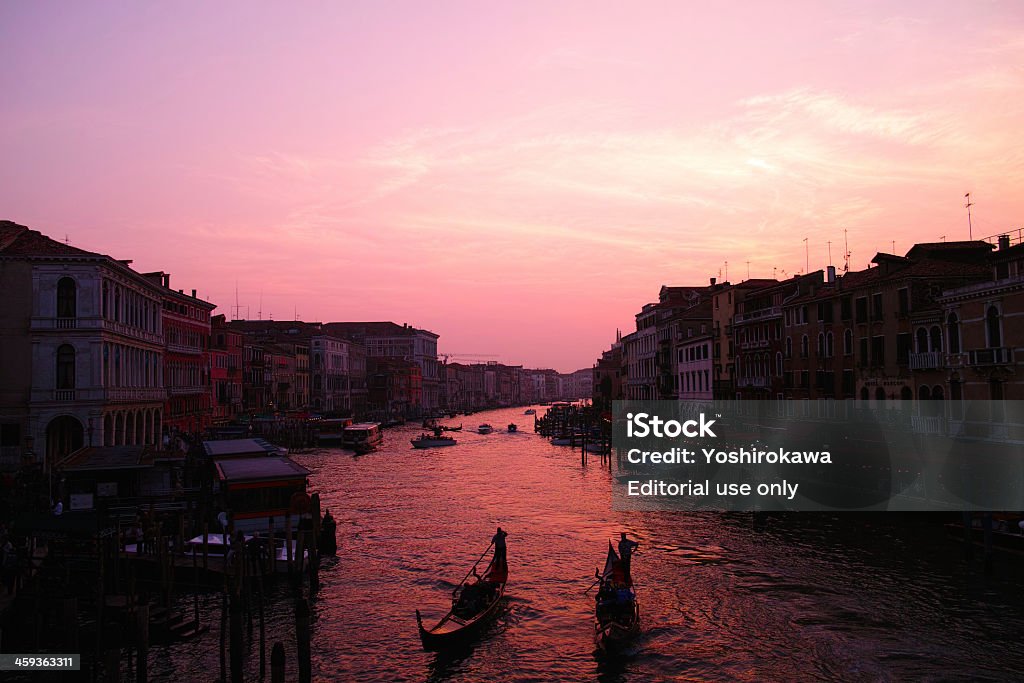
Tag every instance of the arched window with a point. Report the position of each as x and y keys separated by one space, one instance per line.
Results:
x=922 y=340
x=924 y=393
x=66 y=298
x=66 y=367
x=830 y=345
x=906 y=394
x=936 y=338
x=879 y=394
x=863 y=393
x=821 y=345
x=848 y=343
x=789 y=347
x=804 y=347
x=778 y=364
x=992 y=326
x=953 y=330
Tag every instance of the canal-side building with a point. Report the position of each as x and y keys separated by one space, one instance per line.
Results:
x=226 y=352
x=395 y=387
x=186 y=324
x=82 y=344
x=391 y=340
x=641 y=352
x=693 y=350
x=725 y=304
x=608 y=372
x=982 y=326
x=330 y=374
x=761 y=341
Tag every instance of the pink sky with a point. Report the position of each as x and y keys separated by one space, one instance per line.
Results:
x=517 y=177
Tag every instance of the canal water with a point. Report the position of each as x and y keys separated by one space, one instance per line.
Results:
x=800 y=597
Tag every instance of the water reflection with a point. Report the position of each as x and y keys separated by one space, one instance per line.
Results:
x=737 y=597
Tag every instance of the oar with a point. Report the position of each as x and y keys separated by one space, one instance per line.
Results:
x=596 y=581
x=473 y=568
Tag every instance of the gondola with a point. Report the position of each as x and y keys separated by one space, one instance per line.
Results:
x=474 y=603
x=617 y=614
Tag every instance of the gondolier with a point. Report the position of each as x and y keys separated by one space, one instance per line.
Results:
x=500 y=549
x=626 y=548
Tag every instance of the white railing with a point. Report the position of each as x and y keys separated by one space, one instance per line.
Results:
x=995 y=356
x=926 y=360
x=64 y=395
x=757 y=315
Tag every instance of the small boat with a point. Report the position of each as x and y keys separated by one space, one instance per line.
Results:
x=474 y=603
x=363 y=432
x=617 y=615
x=530 y=411
x=433 y=441
x=485 y=429
x=512 y=428
x=562 y=441
x=451 y=429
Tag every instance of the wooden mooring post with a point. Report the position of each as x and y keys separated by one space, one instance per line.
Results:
x=277 y=663
x=302 y=640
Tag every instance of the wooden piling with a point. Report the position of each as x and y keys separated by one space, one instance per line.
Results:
x=288 y=542
x=302 y=640
x=277 y=663
x=223 y=637
x=142 y=641
x=235 y=632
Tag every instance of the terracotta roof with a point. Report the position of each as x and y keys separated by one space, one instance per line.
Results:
x=372 y=329
x=18 y=240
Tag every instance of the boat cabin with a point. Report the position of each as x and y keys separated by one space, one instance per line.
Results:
x=368 y=433
x=256 y=489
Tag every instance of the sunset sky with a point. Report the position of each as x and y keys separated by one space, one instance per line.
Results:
x=518 y=177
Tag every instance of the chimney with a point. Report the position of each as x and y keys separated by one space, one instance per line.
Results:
x=193 y=294
x=167 y=280
x=831 y=277
x=713 y=280
x=1004 y=242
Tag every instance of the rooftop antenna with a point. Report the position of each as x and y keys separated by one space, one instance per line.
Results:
x=894 y=246
x=66 y=239
x=748 y=270
x=259 y=313
x=726 y=271
x=846 y=251
x=970 y=228
x=807 y=256
x=943 y=238
x=829 y=243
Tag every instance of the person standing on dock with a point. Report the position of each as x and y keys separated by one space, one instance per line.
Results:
x=626 y=548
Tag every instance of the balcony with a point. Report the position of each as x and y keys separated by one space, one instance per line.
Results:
x=926 y=360
x=760 y=344
x=64 y=395
x=995 y=356
x=762 y=314
x=184 y=349
x=135 y=394
x=186 y=390
x=756 y=382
